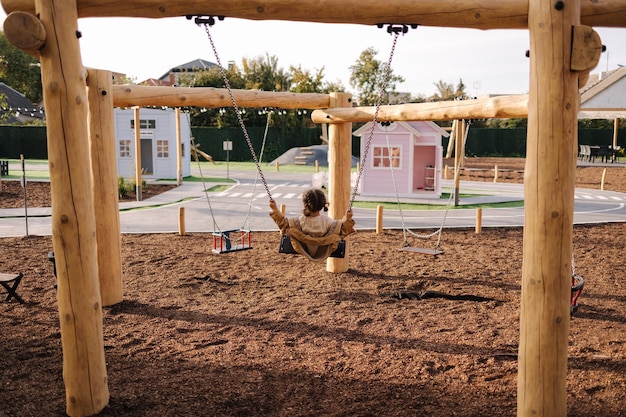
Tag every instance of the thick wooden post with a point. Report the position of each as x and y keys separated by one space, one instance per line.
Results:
x=615 y=131
x=73 y=220
x=548 y=209
x=105 y=192
x=138 y=178
x=339 y=170
x=458 y=160
x=179 y=149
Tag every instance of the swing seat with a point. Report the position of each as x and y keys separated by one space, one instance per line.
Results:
x=423 y=251
x=223 y=241
x=287 y=248
x=577 y=287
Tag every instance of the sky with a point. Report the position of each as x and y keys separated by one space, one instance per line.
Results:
x=487 y=61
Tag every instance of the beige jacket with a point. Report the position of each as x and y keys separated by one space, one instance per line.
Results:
x=323 y=237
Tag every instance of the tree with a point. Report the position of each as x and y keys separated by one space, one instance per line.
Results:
x=302 y=81
x=264 y=74
x=5 y=116
x=212 y=77
x=20 y=71
x=368 y=77
x=447 y=92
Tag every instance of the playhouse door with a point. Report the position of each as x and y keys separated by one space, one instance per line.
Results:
x=147 y=164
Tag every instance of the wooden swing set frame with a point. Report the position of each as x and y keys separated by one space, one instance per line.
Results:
x=79 y=103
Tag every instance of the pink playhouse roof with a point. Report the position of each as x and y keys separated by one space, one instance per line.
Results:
x=418 y=128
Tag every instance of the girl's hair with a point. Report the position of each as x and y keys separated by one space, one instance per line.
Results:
x=313 y=200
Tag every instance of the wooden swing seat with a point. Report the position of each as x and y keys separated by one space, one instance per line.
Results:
x=224 y=243
x=423 y=251
x=287 y=248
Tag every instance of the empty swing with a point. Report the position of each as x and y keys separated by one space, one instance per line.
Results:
x=406 y=246
x=222 y=240
x=230 y=240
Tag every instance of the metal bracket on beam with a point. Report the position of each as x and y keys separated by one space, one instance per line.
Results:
x=205 y=20
x=397 y=28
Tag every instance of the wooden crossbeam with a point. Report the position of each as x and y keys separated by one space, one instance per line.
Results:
x=477 y=14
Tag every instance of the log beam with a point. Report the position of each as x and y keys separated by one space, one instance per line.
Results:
x=477 y=14
x=25 y=31
x=143 y=96
x=498 y=107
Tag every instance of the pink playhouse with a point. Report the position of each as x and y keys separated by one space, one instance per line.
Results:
x=410 y=152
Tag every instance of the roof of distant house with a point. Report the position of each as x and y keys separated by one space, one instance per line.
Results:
x=602 y=96
x=18 y=103
x=191 y=66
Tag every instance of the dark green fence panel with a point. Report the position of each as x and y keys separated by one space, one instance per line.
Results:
x=29 y=141
x=211 y=140
x=601 y=137
x=494 y=142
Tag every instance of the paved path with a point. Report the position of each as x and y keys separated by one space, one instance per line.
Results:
x=245 y=205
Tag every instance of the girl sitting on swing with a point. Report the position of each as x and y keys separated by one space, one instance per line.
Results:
x=313 y=234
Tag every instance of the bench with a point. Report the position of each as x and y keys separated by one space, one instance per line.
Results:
x=10 y=282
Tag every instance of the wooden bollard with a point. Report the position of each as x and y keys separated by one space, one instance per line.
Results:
x=317 y=166
x=181 y=221
x=495 y=173
x=603 y=177
x=445 y=172
x=479 y=220
x=277 y=167
x=283 y=209
x=379 y=219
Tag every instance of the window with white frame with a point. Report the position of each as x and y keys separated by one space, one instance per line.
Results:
x=385 y=156
x=163 y=148
x=125 y=148
x=144 y=124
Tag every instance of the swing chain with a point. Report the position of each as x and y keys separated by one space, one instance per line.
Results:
x=386 y=77
x=237 y=111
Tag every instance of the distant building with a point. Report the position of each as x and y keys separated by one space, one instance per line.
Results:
x=171 y=77
x=17 y=108
x=158 y=149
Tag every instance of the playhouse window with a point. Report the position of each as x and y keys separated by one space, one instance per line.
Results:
x=144 y=123
x=163 y=148
x=385 y=157
x=124 y=148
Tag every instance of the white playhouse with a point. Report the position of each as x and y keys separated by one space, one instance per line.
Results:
x=158 y=150
x=404 y=158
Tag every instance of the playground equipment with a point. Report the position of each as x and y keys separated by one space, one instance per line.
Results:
x=562 y=52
